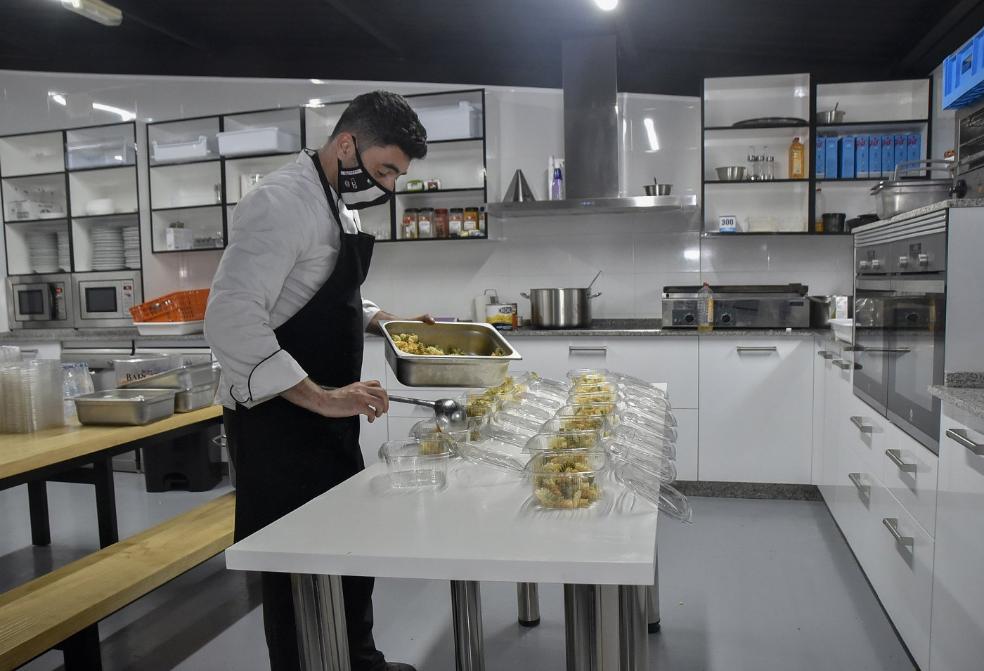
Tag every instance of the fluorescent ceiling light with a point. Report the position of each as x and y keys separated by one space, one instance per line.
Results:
x=57 y=97
x=606 y=5
x=96 y=10
x=691 y=253
x=651 y=135
x=317 y=81
x=125 y=115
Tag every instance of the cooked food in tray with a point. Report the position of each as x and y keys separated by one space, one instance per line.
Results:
x=411 y=344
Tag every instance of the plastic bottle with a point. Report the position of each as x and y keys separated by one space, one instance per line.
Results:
x=818 y=209
x=557 y=185
x=705 y=309
x=797 y=160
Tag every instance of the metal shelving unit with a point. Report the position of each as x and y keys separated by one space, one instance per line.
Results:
x=81 y=165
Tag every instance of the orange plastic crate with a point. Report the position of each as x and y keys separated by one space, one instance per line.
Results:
x=179 y=306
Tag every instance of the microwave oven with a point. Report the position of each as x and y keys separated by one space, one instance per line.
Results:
x=40 y=301
x=105 y=299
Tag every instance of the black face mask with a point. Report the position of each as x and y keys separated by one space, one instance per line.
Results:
x=357 y=187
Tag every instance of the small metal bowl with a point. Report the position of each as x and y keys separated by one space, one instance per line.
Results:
x=658 y=189
x=830 y=116
x=731 y=173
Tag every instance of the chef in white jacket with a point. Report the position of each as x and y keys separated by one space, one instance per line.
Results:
x=286 y=319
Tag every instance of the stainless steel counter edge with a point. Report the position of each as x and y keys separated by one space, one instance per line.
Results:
x=969 y=399
x=657 y=332
x=97 y=335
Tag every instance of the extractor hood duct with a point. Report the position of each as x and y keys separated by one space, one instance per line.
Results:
x=590 y=117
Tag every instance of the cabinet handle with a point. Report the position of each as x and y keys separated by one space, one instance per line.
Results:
x=862 y=488
x=824 y=354
x=961 y=438
x=843 y=365
x=894 y=350
x=896 y=458
x=742 y=348
x=862 y=427
x=587 y=348
x=892 y=524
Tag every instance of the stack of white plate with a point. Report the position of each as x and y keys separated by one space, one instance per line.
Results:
x=42 y=251
x=64 y=260
x=107 y=248
x=131 y=246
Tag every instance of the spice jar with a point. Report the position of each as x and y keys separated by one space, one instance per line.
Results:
x=425 y=223
x=470 y=222
x=441 y=222
x=408 y=229
x=456 y=222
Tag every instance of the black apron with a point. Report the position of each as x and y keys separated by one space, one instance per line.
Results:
x=285 y=455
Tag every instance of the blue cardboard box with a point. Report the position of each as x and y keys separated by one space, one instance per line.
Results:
x=820 y=157
x=914 y=146
x=847 y=157
x=833 y=160
x=874 y=156
x=901 y=149
x=861 y=156
x=888 y=155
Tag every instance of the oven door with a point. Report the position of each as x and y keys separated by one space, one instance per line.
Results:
x=32 y=302
x=917 y=319
x=872 y=348
x=100 y=299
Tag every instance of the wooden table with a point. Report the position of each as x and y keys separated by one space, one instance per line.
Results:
x=83 y=454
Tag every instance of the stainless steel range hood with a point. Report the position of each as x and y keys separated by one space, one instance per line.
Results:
x=591 y=141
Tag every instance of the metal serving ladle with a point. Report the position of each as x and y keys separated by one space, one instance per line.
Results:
x=448 y=412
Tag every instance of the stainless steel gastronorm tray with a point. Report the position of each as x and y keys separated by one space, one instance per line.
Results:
x=478 y=368
x=183 y=378
x=197 y=397
x=133 y=407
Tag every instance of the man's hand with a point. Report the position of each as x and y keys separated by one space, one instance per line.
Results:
x=382 y=316
x=360 y=398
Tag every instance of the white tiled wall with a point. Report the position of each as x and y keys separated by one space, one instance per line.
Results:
x=638 y=254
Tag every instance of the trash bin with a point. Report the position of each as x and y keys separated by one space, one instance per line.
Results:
x=191 y=463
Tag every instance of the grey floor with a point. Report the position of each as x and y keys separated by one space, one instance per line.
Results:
x=750 y=586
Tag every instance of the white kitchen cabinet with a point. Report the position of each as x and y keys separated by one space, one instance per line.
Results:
x=686 y=444
x=958 y=592
x=669 y=359
x=819 y=372
x=373 y=435
x=756 y=409
x=910 y=475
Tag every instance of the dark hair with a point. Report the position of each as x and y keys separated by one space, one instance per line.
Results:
x=381 y=118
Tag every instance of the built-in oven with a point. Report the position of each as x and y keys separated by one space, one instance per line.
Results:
x=105 y=299
x=899 y=318
x=39 y=301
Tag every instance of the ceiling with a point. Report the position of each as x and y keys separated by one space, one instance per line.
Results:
x=665 y=46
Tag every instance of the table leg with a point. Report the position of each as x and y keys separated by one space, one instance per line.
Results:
x=102 y=478
x=37 y=500
x=319 y=615
x=466 y=620
x=582 y=627
x=652 y=601
x=528 y=598
x=632 y=642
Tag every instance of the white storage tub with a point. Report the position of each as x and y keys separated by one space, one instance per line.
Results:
x=257 y=141
x=179 y=151
x=451 y=122
x=107 y=154
x=170 y=328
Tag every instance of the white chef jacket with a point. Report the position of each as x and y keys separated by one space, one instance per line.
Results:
x=283 y=245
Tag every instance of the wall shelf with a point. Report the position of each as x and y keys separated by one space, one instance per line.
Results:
x=757 y=182
x=431 y=192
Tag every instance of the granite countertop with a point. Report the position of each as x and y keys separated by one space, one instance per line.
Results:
x=926 y=209
x=93 y=334
x=962 y=390
x=648 y=328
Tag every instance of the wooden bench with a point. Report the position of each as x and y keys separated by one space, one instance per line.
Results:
x=63 y=608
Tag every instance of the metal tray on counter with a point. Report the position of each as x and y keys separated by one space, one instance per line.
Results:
x=476 y=368
x=132 y=407
x=201 y=396
x=182 y=379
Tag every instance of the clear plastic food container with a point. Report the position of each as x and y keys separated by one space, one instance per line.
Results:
x=529 y=410
x=429 y=434
x=644 y=483
x=415 y=463
x=646 y=417
x=516 y=422
x=640 y=384
x=545 y=386
x=636 y=436
x=588 y=410
x=493 y=453
x=565 y=440
x=600 y=423
x=590 y=375
x=584 y=397
x=658 y=467
x=566 y=480
x=479 y=404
